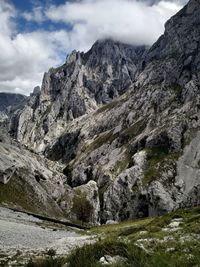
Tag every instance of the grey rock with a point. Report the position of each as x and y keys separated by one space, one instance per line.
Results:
x=6 y=174
x=174 y=59
x=30 y=181
x=3 y=117
x=107 y=260
x=90 y=192
x=109 y=222
x=81 y=85
x=188 y=166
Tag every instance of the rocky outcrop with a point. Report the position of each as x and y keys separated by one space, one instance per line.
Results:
x=30 y=182
x=173 y=61
x=189 y=173
x=3 y=117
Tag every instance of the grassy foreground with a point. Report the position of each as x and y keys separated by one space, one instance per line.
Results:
x=169 y=241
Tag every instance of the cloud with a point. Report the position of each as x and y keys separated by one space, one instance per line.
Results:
x=36 y=14
x=128 y=21
x=26 y=56
x=7 y=12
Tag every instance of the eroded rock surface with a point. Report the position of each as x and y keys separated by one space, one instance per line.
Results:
x=81 y=85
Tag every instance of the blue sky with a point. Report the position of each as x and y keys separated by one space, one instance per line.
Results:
x=24 y=6
x=38 y=34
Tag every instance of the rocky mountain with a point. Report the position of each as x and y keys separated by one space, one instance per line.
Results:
x=10 y=100
x=124 y=122
x=81 y=85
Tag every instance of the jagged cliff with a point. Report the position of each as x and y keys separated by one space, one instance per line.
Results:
x=125 y=122
x=81 y=85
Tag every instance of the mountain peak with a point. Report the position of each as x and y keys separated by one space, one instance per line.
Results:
x=84 y=82
x=174 y=58
x=186 y=17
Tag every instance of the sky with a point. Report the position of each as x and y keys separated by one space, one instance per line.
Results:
x=38 y=34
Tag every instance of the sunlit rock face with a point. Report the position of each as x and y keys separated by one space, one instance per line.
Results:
x=85 y=82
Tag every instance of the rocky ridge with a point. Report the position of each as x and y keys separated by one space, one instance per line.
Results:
x=81 y=85
x=139 y=152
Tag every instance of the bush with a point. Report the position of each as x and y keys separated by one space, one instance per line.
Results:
x=82 y=208
x=89 y=255
x=51 y=252
x=48 y=262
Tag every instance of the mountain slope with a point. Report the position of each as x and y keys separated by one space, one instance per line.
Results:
x=30 y=182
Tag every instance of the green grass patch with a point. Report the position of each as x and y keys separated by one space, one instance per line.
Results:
x=108 y=106
x=162 y=249
x=135 y=129
x=159 y=160
x=102 y=139
x=89 y=255
x=15 y=191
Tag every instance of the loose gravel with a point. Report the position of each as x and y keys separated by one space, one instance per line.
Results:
x=24 y=235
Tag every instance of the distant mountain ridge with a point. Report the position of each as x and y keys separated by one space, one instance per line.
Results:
x=10 y=99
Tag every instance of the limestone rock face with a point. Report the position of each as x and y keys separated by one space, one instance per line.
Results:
x=89 y=192
x=81 y=85
x=3 y=116
x=124 y=122
x=28 y=181
x=188 y=166
x=174 y=59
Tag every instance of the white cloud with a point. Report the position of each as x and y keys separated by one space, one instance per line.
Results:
x=7 y=12
x=36 y=14
x=25 y=57
x=128 y=21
